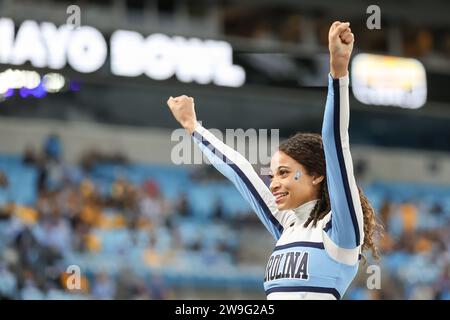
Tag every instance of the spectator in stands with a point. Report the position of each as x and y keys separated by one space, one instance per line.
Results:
x=53 y=147
x=437 y=209
x=218 y=212
x=409 y=216
x=6 y=205
x=30 y=157
x=3 y=180
x=182 y=206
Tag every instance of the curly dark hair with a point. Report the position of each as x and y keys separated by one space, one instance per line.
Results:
x=307 y=149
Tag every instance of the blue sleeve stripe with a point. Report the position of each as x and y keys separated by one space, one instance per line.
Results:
x=318 y=245
x=327 y=226
x=332 y=291
x=279 y=228
x=337 y=140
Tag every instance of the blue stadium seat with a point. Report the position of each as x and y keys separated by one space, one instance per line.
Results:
x=22 y=181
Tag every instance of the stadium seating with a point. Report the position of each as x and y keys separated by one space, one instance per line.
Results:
x=200 y=261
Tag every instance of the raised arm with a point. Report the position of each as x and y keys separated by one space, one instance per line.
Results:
x=346 y=226
x=233 y=166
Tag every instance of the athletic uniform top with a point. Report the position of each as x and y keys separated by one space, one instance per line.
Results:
x=314 y=262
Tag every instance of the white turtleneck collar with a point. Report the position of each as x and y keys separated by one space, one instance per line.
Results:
x=302 y=212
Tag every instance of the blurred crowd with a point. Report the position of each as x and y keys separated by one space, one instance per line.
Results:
x=67 y=218
x=415 y=253
x=293 y=25
x=278 y=23
x=76 y=220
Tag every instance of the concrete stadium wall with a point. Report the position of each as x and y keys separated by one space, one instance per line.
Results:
x=140 y=145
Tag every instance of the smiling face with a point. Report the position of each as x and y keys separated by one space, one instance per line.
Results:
x=290 y=192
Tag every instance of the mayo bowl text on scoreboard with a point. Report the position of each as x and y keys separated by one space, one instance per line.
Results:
x=85 y=50
x=389 y=81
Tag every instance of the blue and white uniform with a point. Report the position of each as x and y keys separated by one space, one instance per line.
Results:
x=314 y=262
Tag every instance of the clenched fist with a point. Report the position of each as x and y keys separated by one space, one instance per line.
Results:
x=340 y=44
x=183 y=110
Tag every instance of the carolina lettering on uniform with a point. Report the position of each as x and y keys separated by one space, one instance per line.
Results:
x=292 y=264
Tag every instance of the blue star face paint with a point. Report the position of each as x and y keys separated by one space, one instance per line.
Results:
x=297 y=175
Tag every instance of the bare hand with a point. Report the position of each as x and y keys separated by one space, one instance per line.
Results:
x=340 y=44
x=183 y=110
